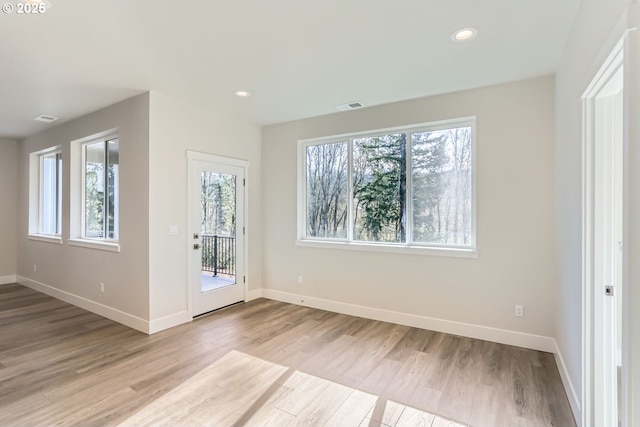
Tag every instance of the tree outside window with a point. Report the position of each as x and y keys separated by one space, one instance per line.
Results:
x=101 y=178
x=411 y=187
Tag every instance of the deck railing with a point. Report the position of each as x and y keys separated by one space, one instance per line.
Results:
x=219 y=254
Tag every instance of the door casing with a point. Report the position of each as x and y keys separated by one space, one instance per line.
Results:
x=599 y=400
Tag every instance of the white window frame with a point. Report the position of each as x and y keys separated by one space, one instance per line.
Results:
x=36 y=194
x=410 y=247
x=78 y=237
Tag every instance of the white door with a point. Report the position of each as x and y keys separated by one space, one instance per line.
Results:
x=608 y=244
x=604 y=125
x=216 y=233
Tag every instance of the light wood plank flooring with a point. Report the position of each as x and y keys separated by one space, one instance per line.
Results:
x=263 y=363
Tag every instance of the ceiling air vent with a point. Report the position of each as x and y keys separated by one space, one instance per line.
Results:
x=46 y=119
x=349 y=106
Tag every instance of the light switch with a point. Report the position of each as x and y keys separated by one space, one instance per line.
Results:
x=173 y=230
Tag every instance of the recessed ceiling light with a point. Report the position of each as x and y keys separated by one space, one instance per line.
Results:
x=464 y=34
x=242 y=93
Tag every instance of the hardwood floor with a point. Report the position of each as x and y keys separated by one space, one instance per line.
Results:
x=263 y=363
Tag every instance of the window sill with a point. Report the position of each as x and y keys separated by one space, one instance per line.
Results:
x=408 y=250
x=95 y=244
x=45 y=238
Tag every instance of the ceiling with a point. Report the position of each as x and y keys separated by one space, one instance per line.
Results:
x=298 y=58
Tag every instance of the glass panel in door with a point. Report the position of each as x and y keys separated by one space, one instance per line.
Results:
x=218 y=230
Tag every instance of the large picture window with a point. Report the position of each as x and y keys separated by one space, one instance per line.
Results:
x=402 y=187
x=100 y=189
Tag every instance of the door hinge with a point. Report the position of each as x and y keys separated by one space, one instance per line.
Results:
x=244 y=279
x=609 y=291
x=243 y=231
x=244 y=182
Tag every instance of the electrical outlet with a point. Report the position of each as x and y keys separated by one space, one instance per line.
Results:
x=519 y=311
x=299 y=280
x=101 y=287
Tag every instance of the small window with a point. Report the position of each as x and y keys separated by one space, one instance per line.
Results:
x=100 y=188
x=45 y=200
x=51 y=194
x=409 y=187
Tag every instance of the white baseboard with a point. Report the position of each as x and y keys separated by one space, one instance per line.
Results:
x=574 y=400
x=92 y=306
x=253 y=294
x=502 y=336
x=166 y=322
x=5 y=280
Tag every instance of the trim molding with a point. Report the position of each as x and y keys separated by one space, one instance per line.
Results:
x=89 y=305
x=574 y=399
x=502 y=336
x=166 y=322
x=5 y=280
x=388 y=248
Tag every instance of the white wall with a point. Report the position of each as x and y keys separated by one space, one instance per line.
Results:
x=8 y=209
x=594 y=34
x=515 y=125
x=146 y=283
x=175 y=128
x=77 y=272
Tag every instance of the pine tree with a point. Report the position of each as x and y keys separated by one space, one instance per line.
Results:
x=380 y=193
